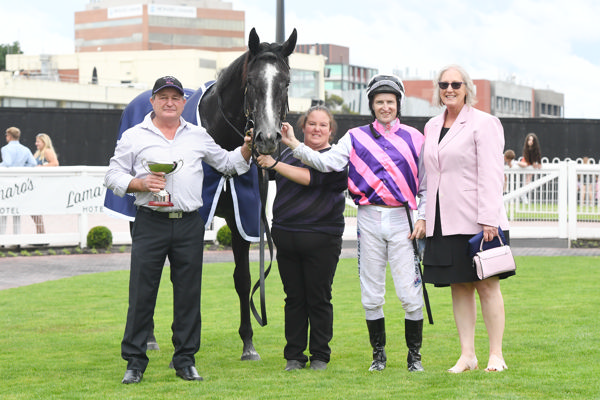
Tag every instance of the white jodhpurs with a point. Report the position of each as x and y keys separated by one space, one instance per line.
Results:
x=382 y=234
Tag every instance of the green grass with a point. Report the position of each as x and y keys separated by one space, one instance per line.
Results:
x=61 y=340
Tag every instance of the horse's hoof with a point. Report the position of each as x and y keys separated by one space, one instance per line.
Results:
x=152 y=345
x=250 y=356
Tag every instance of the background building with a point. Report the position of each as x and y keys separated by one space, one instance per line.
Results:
x=499 y=98
x=123 y=45
x=341 y=78
x=113 y=79
x=119 y=25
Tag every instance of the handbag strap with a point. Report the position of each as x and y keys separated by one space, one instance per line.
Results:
x=481 y=244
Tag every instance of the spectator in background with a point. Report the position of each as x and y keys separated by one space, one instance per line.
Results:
x=509 y=158
x=585 y=185
x=14 y=154
x=45 y=156
x=532 y=154
x=532 y=157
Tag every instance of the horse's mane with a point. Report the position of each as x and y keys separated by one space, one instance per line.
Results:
x=239 y=66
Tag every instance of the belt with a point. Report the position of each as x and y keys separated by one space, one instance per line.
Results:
x=167 y=214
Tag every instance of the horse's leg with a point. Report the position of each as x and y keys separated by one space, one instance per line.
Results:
x=241 y=278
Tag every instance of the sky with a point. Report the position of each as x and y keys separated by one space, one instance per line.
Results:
x=550 y=44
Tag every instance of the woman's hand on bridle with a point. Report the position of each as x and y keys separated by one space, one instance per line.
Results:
x=265 y=161
x=287 y=136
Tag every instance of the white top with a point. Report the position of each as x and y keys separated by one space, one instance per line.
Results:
x=192 y=144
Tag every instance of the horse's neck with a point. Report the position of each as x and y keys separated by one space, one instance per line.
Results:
x=213 y=113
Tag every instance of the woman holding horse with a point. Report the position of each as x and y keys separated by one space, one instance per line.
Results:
x=384 y=180
x=308 y=224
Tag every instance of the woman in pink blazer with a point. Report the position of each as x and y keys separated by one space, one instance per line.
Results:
x=463 y=158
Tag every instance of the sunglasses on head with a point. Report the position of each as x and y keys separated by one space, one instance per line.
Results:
x=455 y=85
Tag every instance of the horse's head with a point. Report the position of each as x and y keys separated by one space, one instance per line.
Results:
x=267 y=81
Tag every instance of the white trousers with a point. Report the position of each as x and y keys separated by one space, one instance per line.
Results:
x=382 y=234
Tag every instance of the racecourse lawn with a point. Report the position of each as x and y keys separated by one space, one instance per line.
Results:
x=61 y=340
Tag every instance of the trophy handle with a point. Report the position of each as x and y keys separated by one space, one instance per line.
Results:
x=178 y=166
x=144 y=163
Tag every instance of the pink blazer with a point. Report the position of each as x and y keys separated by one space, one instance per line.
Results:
x=466 y=169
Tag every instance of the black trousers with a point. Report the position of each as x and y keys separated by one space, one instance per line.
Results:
x=307 y=264
x=155 y=237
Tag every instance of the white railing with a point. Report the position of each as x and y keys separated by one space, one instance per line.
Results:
x=560 y=200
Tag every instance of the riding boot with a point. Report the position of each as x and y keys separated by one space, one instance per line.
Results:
x=413 y=333
x=377 y=336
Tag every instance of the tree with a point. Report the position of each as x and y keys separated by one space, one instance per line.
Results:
x=5 y=49
x=335 y=102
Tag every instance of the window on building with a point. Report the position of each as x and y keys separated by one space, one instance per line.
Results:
x=506 y=104
x=520 y=106
x=335 y=71
x=543 y=108
x=498 y=103
x=304 y=84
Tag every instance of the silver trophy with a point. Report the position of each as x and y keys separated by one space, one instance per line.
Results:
x=162 y=198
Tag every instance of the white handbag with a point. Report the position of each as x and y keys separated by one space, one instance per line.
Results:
x=493 y=261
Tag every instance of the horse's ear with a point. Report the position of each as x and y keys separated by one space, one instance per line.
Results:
x=253 y=42
x=290 y=44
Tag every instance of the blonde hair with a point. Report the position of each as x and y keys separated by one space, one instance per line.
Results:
x=14 y=132
x=470 y=99
x=41 y=153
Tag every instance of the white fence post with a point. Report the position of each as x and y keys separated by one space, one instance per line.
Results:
x=563 y=190
x=572 y=200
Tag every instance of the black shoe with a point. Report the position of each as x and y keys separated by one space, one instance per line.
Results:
x=188 y=373
x=132 y=376
x=292 y=365
x=318 y=365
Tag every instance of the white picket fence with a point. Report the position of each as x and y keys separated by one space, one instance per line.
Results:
x=560 y=200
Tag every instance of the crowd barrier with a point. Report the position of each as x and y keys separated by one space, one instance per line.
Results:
x=559 y=200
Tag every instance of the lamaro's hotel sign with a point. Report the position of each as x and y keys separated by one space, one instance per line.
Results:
x=55 y=190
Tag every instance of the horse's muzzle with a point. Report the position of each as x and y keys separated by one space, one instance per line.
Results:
x=267 y=144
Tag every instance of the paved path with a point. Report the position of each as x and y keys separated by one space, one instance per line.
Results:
x=22 y=271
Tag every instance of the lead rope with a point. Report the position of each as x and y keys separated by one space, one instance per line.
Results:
x=263 y=188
